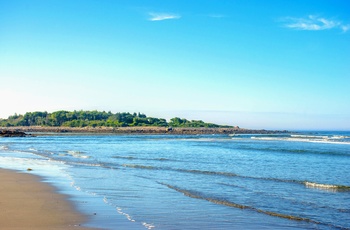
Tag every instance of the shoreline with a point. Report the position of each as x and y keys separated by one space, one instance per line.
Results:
x=29 y=203
x=140 y=130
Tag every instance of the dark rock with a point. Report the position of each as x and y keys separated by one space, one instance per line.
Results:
x=12 y=133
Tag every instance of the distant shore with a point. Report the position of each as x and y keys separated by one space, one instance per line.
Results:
x=139 y=130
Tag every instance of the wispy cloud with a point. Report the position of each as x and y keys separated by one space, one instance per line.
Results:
x=313 y=22
x=217 y=16
x=345 y=27
x=162 y=16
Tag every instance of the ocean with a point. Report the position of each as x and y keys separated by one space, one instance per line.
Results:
x=281 y=181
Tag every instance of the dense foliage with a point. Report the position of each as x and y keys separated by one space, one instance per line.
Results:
x=96 y=119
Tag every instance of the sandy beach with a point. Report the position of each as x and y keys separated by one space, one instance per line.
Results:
x=27 y=203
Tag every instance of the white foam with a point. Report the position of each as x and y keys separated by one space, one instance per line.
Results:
x=304 y=138
x=77 y=154
x=74 y=152
x=309 y=136
x=312 y=184
x=120 y=211
x=328 y=187
x=339 y=137
x=148 y=226
x=4 y=147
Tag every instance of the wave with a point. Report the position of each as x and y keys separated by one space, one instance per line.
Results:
x=227 y=203
x=124 y=157
x=329 y=139
x=72 y=152
x=148 y=226
x=308 y=184
x=142 y=158
x=162 y=159
x=328 y=187
x=219 y=201
x=139 y=166
x=289 y=150
x=86 y=164
x=77 y=154
x=119 y=210
x=307 y=203
x=321 y=136
x=194 y=171
x=4 y=147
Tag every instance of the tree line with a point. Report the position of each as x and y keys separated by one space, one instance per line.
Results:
x=98 y=119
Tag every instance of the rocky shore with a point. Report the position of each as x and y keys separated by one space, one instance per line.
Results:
x=13 y=133
x=22 y=130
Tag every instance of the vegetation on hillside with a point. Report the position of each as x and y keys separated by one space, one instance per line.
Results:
x=97 y=119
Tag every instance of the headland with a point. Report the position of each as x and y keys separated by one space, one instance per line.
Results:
x=19 y=130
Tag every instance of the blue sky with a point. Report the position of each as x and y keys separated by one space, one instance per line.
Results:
x=273 y=64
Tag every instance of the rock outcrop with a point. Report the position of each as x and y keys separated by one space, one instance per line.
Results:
x=12 y=133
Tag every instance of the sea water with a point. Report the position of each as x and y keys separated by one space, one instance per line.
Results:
x=284 y=181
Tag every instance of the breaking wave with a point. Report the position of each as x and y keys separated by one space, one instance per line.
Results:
x=294 y=151
x=139 y=166
x=196 y=195
x=329 y=139
x=4 y=147
x=308 y=184
x=141 y=158
x=327 y=187
x=77 y=154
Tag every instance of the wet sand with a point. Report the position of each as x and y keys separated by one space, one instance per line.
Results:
x=28 y=203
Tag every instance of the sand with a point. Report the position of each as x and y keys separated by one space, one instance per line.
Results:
x=28 y=203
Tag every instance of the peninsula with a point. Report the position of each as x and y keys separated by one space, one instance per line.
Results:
x=108 y=122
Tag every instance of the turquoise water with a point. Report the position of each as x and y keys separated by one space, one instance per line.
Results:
x=299 y=181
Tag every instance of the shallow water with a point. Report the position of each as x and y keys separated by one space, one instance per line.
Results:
x=298 y=181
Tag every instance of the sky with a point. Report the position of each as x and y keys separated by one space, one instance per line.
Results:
x=272 y=64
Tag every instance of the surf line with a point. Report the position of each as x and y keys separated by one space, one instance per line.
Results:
x=308 y=184
x=240 y=206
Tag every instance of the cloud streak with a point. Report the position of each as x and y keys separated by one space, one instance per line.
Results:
x=162 y=16
x=217 y=16
x=315 y=23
